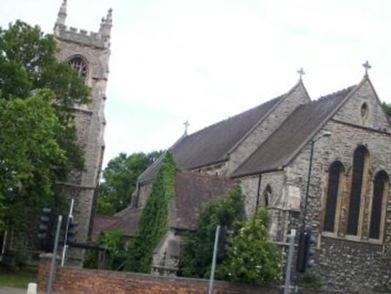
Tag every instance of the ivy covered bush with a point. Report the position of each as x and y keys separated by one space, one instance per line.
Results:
x=251 y=257
x=154 y=219
x=198 y=249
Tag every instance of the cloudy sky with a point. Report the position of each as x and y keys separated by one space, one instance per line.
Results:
x=206 y=60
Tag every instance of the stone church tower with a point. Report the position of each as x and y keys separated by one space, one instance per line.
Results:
x=88 y=53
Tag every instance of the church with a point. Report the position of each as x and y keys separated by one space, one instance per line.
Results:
x=324 y=163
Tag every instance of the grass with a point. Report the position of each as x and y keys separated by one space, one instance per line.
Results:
x=18 y=279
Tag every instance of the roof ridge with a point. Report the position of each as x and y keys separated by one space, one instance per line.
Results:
x=346 y=89
x=349 y=92
x=283 y=96
x=234 y=116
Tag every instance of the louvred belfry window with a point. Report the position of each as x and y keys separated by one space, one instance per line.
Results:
x=79 y=65
x=361 y=155
x=379 y=188
x=334 y=189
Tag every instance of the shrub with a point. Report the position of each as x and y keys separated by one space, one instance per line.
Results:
x=251 y=257
x=198 y=249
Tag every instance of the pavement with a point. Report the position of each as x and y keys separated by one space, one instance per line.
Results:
x=9 y=290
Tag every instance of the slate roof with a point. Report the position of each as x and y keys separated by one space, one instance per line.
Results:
x=126 y=221
x=192 y=191
x=211 y=144
x=294 y=132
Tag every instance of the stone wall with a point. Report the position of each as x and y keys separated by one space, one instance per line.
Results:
x=351 y=111
x=73 y=280
x=297 y=96
x=346 y=261
x=89 y=120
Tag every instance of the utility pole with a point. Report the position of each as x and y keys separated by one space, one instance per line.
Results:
x=53 y=264
x=65 y=248
x=212 y=272
x=288 y=270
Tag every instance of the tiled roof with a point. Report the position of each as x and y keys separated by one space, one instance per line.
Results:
x=192 y=191
x=126 y=221
x=130 y=218
x=211 y=144
x=102 y=222
x=294 y=132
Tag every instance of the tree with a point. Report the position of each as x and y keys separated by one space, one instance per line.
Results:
x=28 y=64
x=224 y=211
x=115 y=246
x=251 y=257
x=153 y=219
x=38 y=138
x=29 y=155
x=120 y=179
x=387 y=108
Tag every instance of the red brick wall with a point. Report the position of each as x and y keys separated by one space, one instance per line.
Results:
x=75 y=280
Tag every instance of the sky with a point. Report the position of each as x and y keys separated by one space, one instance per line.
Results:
x=207 y=60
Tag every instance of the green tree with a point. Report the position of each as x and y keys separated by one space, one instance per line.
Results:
x=120 y=179
x=38 y=138
x=154 y=218
x=225 y=211
x=113 y=242
x=387 y=108
x=28 y=64
x=251 y=257
x=29 y=155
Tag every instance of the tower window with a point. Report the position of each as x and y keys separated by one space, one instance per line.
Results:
x=79 y=65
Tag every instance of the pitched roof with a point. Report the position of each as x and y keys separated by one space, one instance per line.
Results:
x=211 y=144
x=192 y=191
x=102 y=222
x=294 y=132
x=126 y=221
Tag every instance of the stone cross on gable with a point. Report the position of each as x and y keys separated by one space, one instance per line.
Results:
x=186 y=124
x=301 y=73
x=367 y=67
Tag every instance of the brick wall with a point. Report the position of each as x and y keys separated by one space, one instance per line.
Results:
x=73 y=280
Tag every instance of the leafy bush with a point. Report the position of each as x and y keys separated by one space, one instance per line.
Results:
x=113 y=242
x=198 y=249
x=251 y=257
x=154 y=219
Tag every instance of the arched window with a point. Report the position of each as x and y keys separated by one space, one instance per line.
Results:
x=79 y=65
x=335 y=184
x=267 y=194
x=360 y=166
x=380 y=189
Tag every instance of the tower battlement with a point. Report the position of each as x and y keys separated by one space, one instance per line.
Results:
x=72 y=34
x=100 y=39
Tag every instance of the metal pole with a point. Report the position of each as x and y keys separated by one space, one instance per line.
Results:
x=212 y=272
x=53 y=264
x=308 y=186
x=289 y=261
x=65 y=248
